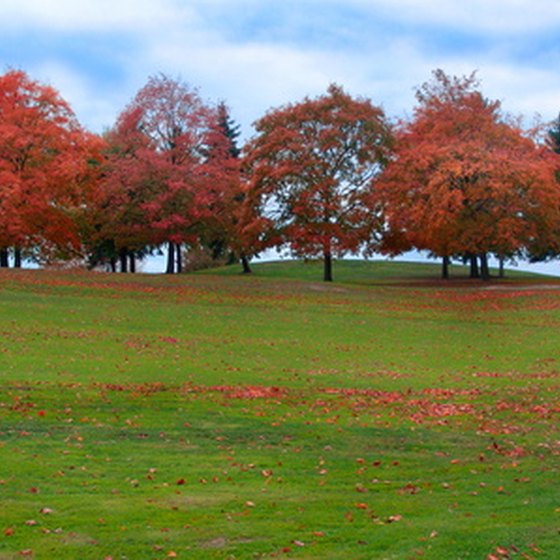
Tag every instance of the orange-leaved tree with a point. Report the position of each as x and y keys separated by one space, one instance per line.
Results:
x=309 y=169
x=467 y=180
x=47 y=165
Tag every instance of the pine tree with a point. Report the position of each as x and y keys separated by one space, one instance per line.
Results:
x=554 y=135
x=230 y=129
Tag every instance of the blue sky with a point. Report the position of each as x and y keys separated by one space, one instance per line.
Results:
x=258 y=54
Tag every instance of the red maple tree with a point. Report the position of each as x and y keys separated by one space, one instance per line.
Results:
x=310 y=167
x=465 y=179
x=46 y=162
x=169 y=169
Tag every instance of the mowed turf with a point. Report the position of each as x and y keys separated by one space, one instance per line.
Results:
x=386 y=415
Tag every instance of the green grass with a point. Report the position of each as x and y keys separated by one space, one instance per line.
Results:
x=362 y=272
x=386 y=415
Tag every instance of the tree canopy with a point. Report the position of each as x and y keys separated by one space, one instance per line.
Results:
x=465 y=179
x=322 y=177
x=311 y=164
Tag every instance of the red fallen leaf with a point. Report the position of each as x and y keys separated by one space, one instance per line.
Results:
x=394 y=518
x=171 y=554
x=362 y=505
x=26 y=552
x=318 y=534
x=31 y=522
x=409 y=489
x=8 y=532
x=503 y=551
x=34 y=490
x=169 y=339
x=41 y=413
x=181 y=481
x=266 y=473
x=46 y=511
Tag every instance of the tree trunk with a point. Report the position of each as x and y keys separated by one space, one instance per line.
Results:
x=113 y=264
x=245 y=264
x=179 y=258
x=132 y=262
x=502 y=271
x=17 y=257
x=484 y=270
x=170 y=258
x=445 y=268
x=123 y=254
x=474 y=267
x=4 y=261
x=327 y=267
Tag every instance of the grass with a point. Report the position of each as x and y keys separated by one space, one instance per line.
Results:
x=388 y=415
x=363 y=272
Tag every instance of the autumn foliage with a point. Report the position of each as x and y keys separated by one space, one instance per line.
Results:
x=466 y=180
x=310 y=167
x=322 y=177
x=47 y=168
x=167 y=169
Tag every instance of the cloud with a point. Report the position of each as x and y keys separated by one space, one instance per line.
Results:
x=93 y=15
x=96 y=109
x=475 y=16
x=257 y=55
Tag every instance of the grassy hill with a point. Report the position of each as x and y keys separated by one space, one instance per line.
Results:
x=216 y=415
x=366 y=272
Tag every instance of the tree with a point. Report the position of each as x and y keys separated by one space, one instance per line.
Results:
x=465 y=179
x=554 y=135
x=219 y=231
x=118 y=229
x=46 y=163
x=165 y=161
x=309 y=168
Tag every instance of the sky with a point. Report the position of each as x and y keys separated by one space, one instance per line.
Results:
x=259 y=54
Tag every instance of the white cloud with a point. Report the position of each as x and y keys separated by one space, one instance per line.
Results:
x=104 y=15
x=385 y=50
x=501 y=16
x=96 y=110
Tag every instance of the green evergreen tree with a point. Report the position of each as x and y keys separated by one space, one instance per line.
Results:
x=230 y=129
x=554 y=135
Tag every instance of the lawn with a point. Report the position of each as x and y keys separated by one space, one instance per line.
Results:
x=388 y=415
